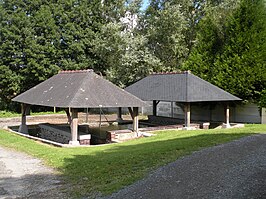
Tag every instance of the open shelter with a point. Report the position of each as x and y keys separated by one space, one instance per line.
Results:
x=182 y=87
x=78 y=89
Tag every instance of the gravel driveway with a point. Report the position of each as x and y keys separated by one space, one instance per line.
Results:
x=236 y=170
x=22 y=176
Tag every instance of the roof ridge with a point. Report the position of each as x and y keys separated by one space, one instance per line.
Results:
x=171 y=73
x=75 y=71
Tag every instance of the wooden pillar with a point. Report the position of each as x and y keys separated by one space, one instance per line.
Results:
x=67 y=110
x=172 y=109
x=134 y=114
x=74 y=128
x=87 y=115
x=119 y=115
x=154 y=107
x=227 y=116
x=136 y=120
x=187 y=115
x=23 y=126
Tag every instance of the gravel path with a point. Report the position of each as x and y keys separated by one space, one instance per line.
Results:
x=236 y=170
x=22 y=176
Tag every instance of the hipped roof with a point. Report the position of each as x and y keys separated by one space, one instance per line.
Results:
x=78 y=89
x=178 y=87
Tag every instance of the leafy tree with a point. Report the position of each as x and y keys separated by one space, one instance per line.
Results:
x=124 y=49
x=165 y=25
x=231 y=54
x=39 y=38
x=262 y=101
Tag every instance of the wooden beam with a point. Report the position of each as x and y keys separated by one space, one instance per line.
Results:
x=87 y=115
x=23 y=126
x=131 y=112
x=154 y=106
x=187 y=115
x=172 y=109
x=74 y=127
x=136 y=121
x=227 y=116
x=68 y=116
x=119 y=115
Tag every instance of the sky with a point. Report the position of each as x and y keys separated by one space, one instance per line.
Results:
x=145 y=4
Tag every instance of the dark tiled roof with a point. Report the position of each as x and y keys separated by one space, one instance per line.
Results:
x=78 y=89
x=178 y=87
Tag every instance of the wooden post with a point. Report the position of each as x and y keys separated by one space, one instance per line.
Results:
x=187 y=115
x=172 y=109
x=154 y=107
x=134 y=115
x=67 y=110
x=136 y=120
x=23 y=126
x=131 y=112
x=74 y=128
x=87 y=115
x=119 y=115
x=227 y=116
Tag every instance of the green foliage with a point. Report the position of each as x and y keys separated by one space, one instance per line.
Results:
x=221 y=41
x=39 y=38
x=165 y=32
x=108 y=168
x=263 y=99
x=126 y=55
x=231 y=52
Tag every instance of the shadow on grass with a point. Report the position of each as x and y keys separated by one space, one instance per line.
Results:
x=116 y=166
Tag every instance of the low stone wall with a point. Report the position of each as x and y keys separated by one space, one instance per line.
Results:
x=54 y=134
x=165 y=121
x=61 y=134
x=120 y=135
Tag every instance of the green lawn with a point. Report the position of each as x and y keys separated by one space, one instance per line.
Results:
x=7 y=114
x=108 y=168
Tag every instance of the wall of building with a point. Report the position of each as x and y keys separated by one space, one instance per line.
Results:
x=248 y=113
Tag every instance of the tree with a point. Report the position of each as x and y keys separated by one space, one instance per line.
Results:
x=231 y=54
x=171 y=28
x=165 y=26
x=124 y=49
x=39 y=38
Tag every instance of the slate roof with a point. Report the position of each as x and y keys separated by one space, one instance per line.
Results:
x=178 y=87
x=78 y=89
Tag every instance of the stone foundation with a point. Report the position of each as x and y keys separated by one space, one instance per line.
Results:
x=120 y=135
x=165 y=121
x=61 y=134
x=54 y=134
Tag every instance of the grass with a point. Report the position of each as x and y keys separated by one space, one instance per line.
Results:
x=108 y=168
x=7 y=114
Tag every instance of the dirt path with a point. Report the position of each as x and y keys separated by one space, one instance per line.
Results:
x=22 y=176
x=235 y=170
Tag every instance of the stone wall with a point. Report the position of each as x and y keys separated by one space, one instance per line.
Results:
x=120 y=135
x=54 y=134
